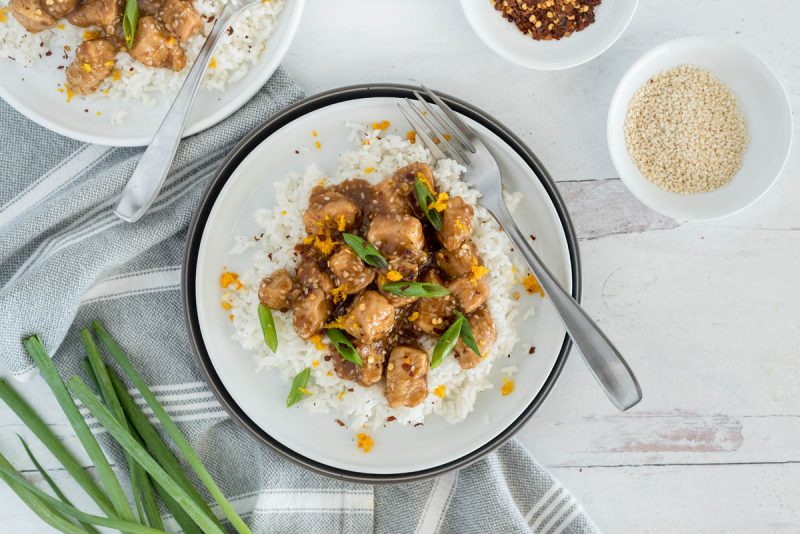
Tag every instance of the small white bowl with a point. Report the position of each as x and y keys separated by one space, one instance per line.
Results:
x=503 y=37
x=762 y=100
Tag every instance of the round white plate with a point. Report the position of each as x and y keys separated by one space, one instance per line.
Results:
x=258 y=400
x=32 y=92
x=611 y=19
x=762 y=100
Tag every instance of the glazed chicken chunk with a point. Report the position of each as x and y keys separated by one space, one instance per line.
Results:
x=59 y=8
x=469 y=294
x=31 y=16
x=154 y=47
x=406 y=376
x=311 y=276
x=180 y=19
x=396 y=194
x=485 y=335
x=396 y=235
x=311 y=311
x=370 y=317
x=149 y=7
x=329 y=210
x=275 y=291
x=433 y=315
x=372 y=357
x=352 y=273
x=103 y=13
x=94 y=62
x=456 y=223
x=458 y=262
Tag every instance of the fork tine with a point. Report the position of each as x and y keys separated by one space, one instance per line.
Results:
x=457 y=154
x=457 y=135
x=457 y=123
x=427 y=141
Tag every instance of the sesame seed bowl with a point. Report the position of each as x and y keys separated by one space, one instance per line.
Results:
x=719 y=83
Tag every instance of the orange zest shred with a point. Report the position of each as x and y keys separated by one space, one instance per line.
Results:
x=318 y=145
x=227 y=279
x=226 y=305
x=90 y=35
x=329 y=373
x=394 y=276
x=340 y=396
x=478 y=272
x=324 y=244
x=338 y=294
x=60 y=26
x=115 y=75
x=314 y=363
x=336 y=323
x=383 y=125
x=411 y=136
x=414 y=316
x=108 y=63
x=515 y=295
x=314 y=133
x=70 y=94
x=341 y=223
x=86 y=67
x=308 y=240
x=448 y=137
x=213 y=63
x=304 y=391
x=440 y=391
x=369 y=170
x=230 y=317
x=531 y=285
x=365 y=442
x=3 y=16
x=424 y=179
x=440 y=204
x=316 y=339
x=283 y=212
x=508 y=386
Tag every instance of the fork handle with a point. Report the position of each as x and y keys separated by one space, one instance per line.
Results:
x=604 y=360
x=149 y=175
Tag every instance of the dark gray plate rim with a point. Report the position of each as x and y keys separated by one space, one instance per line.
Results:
x=197 y=226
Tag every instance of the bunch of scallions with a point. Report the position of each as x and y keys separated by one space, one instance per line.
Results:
x=154 y=469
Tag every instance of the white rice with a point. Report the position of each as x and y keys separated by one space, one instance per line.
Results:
x=241 y=46
x=283 y=228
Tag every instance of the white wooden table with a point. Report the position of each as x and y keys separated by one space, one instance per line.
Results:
x=708 y=314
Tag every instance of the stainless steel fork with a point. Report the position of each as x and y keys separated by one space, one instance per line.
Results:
x=456 y=140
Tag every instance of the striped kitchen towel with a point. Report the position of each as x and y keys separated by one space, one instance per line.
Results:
x=65 y=259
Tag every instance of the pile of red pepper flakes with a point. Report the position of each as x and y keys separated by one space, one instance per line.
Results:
x=549 y=19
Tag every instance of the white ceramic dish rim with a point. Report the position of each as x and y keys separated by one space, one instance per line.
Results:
x=194 y=246
x=289 y=21
x=617 y=108
x=533 y=63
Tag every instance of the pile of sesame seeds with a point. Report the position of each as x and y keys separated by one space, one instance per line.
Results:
x=685 y=132
x=548 y=20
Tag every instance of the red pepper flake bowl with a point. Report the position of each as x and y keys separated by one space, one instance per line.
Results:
x=504 y=38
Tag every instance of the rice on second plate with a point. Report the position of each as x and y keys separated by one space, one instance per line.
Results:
x=243 y=44
x=377 y=157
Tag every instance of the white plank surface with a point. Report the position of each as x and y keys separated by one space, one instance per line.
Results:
x=707 y=314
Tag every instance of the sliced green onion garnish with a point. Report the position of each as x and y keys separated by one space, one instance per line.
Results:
x=466 y=335
x=344 y=346
x=425 y=199
x=130 y=20
x=268 y=327
x=365 y=251
x=447 y=342
x=415 y=289
x=298 y=385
